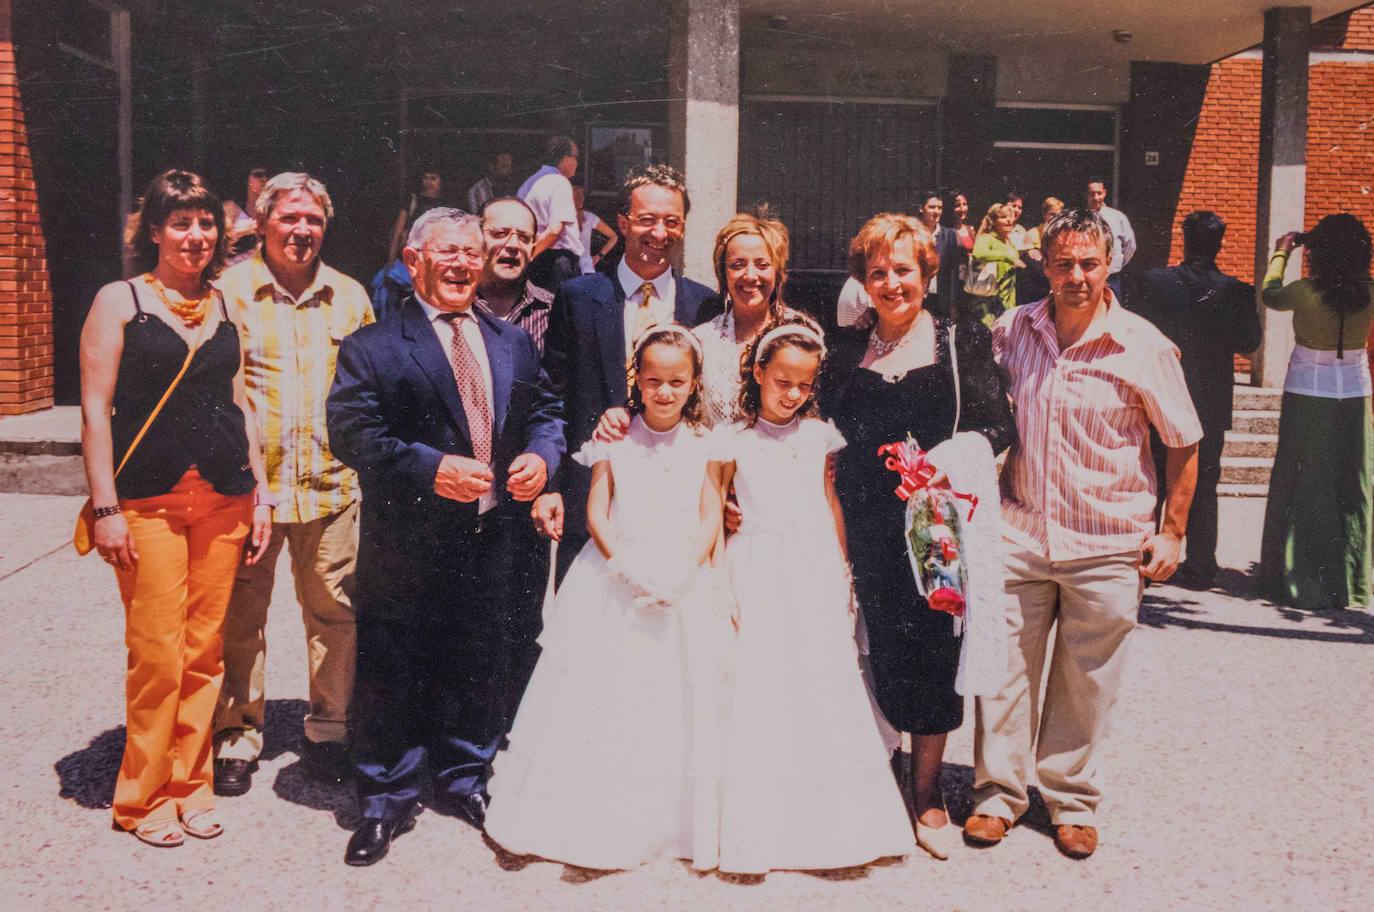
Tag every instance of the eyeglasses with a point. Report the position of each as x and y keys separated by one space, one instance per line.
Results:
x=447 y=256
x=500 y=234
x=648 y=222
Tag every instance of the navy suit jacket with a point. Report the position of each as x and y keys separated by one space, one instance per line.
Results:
x=394 y=412
x=584 y=355
x=1210 y=316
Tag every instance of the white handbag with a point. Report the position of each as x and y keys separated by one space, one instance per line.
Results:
x=984 y=283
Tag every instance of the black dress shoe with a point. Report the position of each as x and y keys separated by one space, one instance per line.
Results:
x=1194 y=576
x=471 y=807
x=326 y=760
x=234 y=777
x=370 y=841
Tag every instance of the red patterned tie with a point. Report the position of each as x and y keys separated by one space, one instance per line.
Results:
x=468 y=373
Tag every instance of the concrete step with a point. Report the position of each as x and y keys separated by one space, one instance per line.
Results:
x=42 y=473
x=1243 y=490
x=40 y=453
x=1246 y=469
x=1255 y=421
x=1257 y=397
x=1238 y=444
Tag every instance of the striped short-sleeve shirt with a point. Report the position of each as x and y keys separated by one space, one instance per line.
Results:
x=1082 y=480
x=290 y=346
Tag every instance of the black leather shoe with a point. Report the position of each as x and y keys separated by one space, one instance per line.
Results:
x=326 y=760
x=371 y=840
x=472 y=807
x=1198 y=577
x=234 y=777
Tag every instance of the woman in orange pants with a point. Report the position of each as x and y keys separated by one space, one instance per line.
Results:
x=173 y=520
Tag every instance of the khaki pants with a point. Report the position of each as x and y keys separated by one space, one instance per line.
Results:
x=323 y=554
x=1094 y=602
x=189 y=541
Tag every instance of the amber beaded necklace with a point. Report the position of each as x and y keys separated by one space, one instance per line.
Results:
x=191 y=311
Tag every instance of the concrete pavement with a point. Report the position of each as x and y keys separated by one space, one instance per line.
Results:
x=1237 y=777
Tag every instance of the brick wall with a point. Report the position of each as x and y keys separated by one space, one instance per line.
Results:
x=1352 y=31
x=26 y=349
x=1340 y=140
x=1221 y=172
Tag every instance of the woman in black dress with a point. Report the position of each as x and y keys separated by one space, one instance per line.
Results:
x=903 y=377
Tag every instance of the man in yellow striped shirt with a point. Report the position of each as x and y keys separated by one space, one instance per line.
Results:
x=292 y=312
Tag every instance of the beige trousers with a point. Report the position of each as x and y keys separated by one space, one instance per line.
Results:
x=1055 y=734
x=323 y=554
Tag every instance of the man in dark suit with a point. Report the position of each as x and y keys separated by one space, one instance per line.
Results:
x=446 y=415
x=594 y=322
x=1211 y=317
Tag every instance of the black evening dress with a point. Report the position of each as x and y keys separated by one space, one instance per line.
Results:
x=913 y=651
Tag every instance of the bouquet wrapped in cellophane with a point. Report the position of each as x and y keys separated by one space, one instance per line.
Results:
x=934 y=529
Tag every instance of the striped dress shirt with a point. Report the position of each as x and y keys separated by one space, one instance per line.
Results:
x=289 y=350
x=1080 y=480
x=530 y=313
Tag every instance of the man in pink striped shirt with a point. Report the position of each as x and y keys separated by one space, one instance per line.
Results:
x=1088 y=379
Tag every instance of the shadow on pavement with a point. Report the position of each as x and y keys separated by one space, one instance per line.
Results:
x=1160 y=608
x=87 y=776
x=296 y=785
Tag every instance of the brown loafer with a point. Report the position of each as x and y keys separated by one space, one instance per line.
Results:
x=985 y=830
x=1075 y=840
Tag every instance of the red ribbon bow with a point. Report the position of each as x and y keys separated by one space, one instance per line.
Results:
x=910 y=462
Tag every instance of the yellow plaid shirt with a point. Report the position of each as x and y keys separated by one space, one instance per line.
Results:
x=289 y=350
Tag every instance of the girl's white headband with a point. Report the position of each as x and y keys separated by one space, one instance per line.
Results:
x=676 y=329
x=789 y=329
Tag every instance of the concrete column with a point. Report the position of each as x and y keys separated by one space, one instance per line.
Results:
x=703 y=120
x=1282 y=197
x=966 y=121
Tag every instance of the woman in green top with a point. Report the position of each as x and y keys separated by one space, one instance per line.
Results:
x=994 y=246
x=1316 y=547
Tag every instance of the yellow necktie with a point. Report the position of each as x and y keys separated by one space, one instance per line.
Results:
x=644 y=316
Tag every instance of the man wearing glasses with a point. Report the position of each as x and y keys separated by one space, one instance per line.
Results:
x=548 y=192
x=446 y=415
x=505 y=290
x=592 y=328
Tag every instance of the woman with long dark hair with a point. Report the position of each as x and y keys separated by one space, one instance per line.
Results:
x=1316 y=547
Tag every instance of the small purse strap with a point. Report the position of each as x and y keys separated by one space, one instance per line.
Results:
x=191 y=353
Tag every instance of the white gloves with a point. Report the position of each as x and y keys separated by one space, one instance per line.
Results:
x=654 y=589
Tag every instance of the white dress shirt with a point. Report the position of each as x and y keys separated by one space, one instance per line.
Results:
x=473 y=334
x=1123 y=246
x=662 y=307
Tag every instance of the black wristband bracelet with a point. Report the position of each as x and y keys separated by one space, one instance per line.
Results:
x=102 y=512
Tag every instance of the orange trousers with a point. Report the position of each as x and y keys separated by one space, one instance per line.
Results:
x=189 y=543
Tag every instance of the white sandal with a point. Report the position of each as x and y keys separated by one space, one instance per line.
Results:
x=938 y=841
x=165 y=833
x=201 y=823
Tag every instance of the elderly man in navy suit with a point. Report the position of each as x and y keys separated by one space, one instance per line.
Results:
x=448 y=419
x=594 y=323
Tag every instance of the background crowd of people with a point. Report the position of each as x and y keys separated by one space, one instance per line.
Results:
x=705 y=462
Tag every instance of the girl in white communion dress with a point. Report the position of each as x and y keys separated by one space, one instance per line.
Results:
x=605 y=769
x=795 y=688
